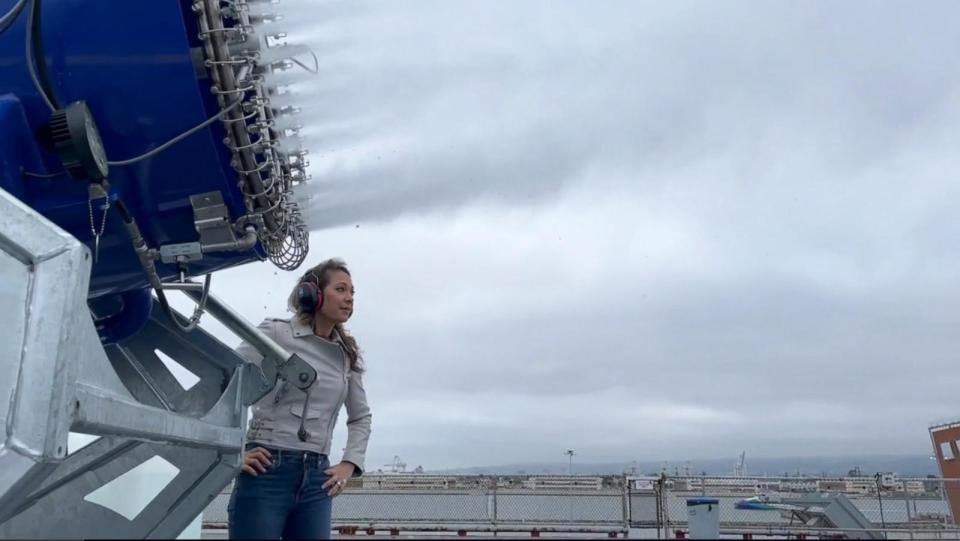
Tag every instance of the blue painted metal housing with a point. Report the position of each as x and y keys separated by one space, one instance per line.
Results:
x=139 y=68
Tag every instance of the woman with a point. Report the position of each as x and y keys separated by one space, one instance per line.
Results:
x=286 y=486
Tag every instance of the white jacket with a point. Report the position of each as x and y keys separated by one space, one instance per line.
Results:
x=276 y=416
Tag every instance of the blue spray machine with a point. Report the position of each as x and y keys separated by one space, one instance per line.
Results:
x=90 y=94
x=142 y=144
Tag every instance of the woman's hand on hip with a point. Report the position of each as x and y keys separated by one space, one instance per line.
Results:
x=256 y=461
x=339 y=475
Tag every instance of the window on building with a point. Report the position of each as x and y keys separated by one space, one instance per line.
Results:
x=946 y=451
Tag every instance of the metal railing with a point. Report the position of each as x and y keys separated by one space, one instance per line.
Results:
x=621 y=505
x=473 y=504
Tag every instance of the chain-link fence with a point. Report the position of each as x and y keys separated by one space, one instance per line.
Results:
x=569 y=504
x=637 y=506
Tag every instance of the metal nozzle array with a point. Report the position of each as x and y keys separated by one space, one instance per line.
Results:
x=244 y=61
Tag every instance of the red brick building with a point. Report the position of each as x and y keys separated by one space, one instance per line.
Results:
x=946 y=438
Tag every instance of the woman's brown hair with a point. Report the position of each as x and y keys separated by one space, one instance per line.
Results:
x=320 y=276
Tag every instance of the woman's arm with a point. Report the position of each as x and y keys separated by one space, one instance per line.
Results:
x=358 y=423
x=358 y=432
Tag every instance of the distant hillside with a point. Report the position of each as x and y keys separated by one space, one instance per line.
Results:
x=905 y=466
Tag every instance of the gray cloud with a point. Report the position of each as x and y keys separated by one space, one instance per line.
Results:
x=514 y=101
x=643 y=230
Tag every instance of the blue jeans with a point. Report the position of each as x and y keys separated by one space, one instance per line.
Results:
x=286 y=502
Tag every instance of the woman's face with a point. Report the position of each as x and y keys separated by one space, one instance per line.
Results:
x=338 y=298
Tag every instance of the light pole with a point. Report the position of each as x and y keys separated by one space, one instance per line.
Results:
x=570 y=453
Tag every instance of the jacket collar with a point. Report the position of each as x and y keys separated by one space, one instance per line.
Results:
x=304 y=330
x=300 y=329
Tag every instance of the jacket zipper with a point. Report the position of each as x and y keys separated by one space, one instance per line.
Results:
x=280 y=392
x=343 y=394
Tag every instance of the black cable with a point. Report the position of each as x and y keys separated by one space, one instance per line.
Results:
x=151 y=153
x=34 y=50
x=169 y=311
x=161 y=296
x=198 y=311
x=7 y=20
x=31 y=174
x=177 y=139
x=124 y=212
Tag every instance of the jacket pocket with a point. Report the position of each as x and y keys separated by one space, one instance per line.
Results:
x=312 y=412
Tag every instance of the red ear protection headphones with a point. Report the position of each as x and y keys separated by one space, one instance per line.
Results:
x=309 y=295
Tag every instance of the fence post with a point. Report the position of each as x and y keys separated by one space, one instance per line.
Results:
x=492 y=502
x=657 y=489
x=627 y=519
x=955 y=521
x=665 y=505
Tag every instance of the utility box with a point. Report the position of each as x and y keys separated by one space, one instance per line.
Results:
x=703 y=518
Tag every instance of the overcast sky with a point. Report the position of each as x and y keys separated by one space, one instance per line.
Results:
x=641 y=230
